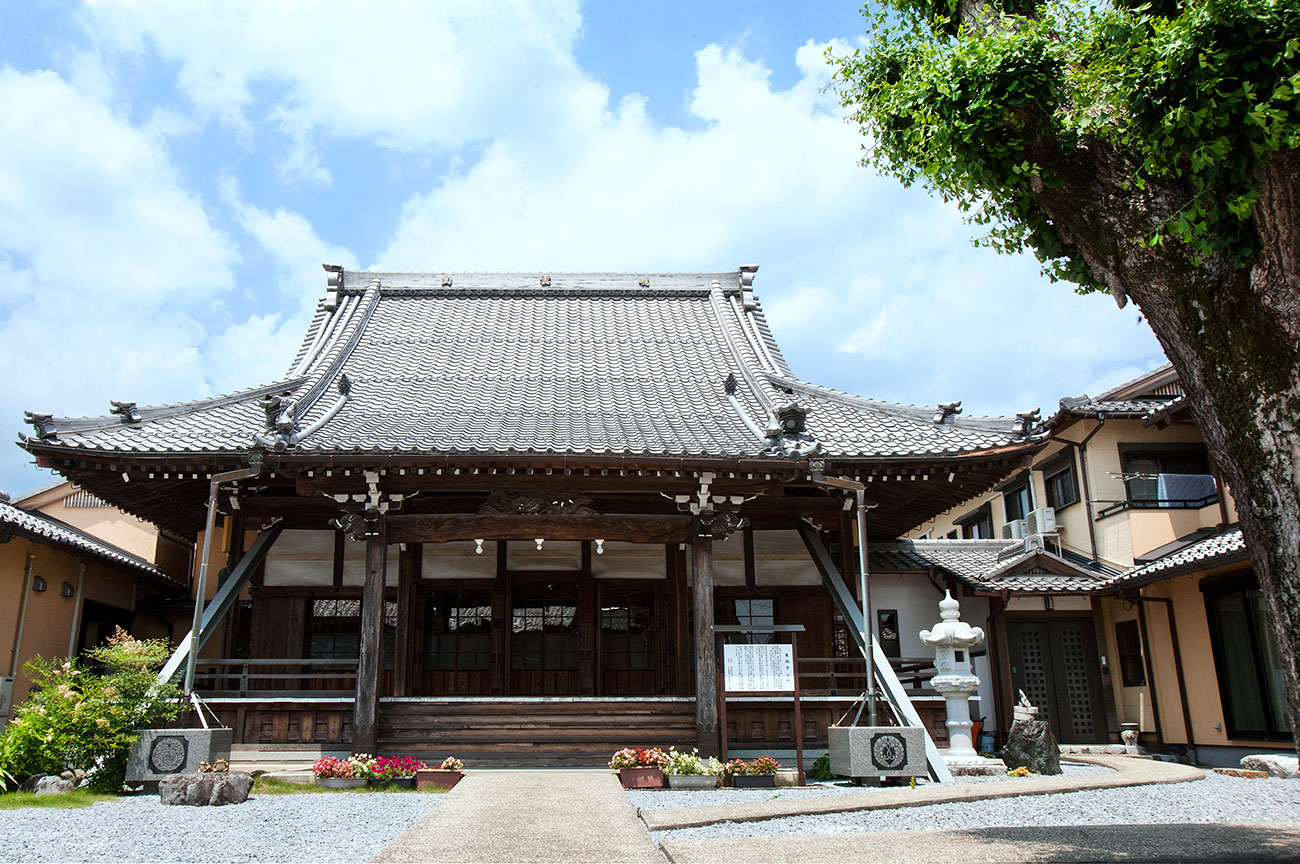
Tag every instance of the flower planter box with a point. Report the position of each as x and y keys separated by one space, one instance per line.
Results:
x=641 y=778
x=437 y=777
x=692 y=781
x=392 y=783
x=341 y=782
x=753 y=781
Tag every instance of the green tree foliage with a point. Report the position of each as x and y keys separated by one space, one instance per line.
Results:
x=79 y=719
x=982 y=112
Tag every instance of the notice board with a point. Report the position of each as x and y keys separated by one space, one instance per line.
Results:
x=758 y=668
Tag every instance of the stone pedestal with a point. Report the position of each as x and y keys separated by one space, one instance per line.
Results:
x=877 y=751
x=159 y=753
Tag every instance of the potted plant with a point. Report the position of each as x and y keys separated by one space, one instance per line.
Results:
x=689 y=771
x=334 y=773
x=445 y=776
x=638 y=768
x=758 y=773
x=395 y=772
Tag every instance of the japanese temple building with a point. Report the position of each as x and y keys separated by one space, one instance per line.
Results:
x=502 y=513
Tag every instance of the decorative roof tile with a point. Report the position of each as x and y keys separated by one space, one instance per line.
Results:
x=994 y=565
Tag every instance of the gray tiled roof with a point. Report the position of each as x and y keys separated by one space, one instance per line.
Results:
x=1224 y=547
x=1085 y=406
x=54 y=532
x=990 y=565
x=601 y=364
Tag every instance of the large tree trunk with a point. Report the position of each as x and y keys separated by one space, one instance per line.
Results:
x=1233 y=334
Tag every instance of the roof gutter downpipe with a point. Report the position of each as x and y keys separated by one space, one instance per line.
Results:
x=201 y=588
x=22 y=614
x=864 y=592
x=1082 y=447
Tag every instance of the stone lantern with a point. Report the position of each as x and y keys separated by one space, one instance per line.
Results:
x=952 y=640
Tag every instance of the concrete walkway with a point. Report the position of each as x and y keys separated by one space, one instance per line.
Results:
x=539 y=815
x=1117 y=843
x=1128 y=772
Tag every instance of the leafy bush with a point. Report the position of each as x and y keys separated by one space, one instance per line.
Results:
x=79 y=719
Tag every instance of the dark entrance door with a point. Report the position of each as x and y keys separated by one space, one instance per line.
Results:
x=99 y=621
x=1055 y=662
x=544 y=639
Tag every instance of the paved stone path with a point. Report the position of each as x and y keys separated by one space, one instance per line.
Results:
x=549 y=815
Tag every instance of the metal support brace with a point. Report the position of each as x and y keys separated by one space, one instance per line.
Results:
x=892 y=688
x=224 y=600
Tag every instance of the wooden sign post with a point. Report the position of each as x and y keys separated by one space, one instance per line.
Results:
x=759 y=670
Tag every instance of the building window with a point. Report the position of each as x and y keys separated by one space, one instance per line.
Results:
x=458 y=630
x=627 y=629
x=1016 y=501
x=1169 y=476
x=1129 y=646
x=334 y=632
x=544 y=627
x=977 y=525
x=1245 y=657
x=749 y=612
x=1059 y=483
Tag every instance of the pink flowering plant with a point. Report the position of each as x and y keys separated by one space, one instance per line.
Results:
x=451 y=763
x=636 y=757
x=761 y=765
x=329 y=767
x=392 y=767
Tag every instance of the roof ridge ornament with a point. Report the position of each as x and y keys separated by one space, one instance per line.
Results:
x=130 y=414
x=746 y=280
x=42 y=423
x=544 y=281
x=1027 y=423
x=947 y=412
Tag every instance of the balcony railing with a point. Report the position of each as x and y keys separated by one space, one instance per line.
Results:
x=270 y=678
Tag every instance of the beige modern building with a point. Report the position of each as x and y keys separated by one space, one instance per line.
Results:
x=1162 y=623
x=65 y=588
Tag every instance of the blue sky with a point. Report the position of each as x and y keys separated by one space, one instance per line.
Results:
x=173 y=174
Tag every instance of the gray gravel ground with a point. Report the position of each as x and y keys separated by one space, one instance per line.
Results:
x=662 y=799
x=1215 y=799
x=306 y=827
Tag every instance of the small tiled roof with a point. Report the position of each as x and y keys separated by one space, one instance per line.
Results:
x=994 y=565
x=654 y=365
x=1073 y=407
x=54 y=532
x=1224 y=547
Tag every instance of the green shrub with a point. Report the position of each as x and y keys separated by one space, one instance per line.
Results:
x=76 y=718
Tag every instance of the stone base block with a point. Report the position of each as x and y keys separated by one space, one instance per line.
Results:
x=974 y=767
x=877 y=751
x=159 y=753
x=211 y=789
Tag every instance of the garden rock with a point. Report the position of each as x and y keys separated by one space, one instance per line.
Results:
x=1276 y=764
x=47 y=784
x=1031 y=745
x=205 y=789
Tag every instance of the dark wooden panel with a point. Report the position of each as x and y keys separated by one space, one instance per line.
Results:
x=435 y=528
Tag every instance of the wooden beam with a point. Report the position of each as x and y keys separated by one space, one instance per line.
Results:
x=439 y=528
x=706 y=652
x=365 y=725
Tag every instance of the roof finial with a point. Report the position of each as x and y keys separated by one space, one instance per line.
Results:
x=130 y=414
x=946 y=411
x=546 y=281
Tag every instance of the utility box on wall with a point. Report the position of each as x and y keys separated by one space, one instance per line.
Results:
x=877 y=751
x=6 y=698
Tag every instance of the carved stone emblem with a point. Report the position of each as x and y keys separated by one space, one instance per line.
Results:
x=535 y=504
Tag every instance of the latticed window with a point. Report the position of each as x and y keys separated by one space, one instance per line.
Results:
x=627 y=629
x=749 y=612
x=334 y=630
x=458 y=630
x=544 y=627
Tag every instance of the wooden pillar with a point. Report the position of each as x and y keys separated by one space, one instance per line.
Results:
x=365 y=725
x=408 y=572
x=706 y=652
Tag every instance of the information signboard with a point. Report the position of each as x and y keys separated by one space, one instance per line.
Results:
x=758 y=668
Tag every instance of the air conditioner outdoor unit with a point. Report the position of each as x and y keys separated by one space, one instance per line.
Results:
x=1013 y=530
x=1040 y=521
x=6 y=698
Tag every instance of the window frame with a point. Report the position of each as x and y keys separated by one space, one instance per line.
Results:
x=1058 y=464
x=981 y=516
x=1156 y=452
x=1241 y=583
